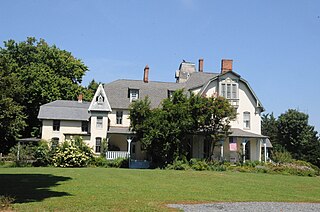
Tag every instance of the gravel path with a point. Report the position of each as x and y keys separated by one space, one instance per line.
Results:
x=248 y=207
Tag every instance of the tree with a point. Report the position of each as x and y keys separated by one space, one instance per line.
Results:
x=213 y=116
x=269 y=127
x=45 y=73
x=12 y=119
x=298 y=137
x=164 y=130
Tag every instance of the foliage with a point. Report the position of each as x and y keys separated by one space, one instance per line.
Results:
x=118 y=163
x=39 y=74
x=73 y=153
x=42 y=154
x=291 y=132
x=25 y=157
x=6 y=203
x=281 y=156
x=164 y=130
x=12 y=122
x=269 y=127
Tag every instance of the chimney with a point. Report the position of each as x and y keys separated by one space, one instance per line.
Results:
x=201 y=65
x=80 y=98
x=226 y=65
x=146 y=74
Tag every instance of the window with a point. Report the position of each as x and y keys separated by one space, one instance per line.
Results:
x=229 y=90
x=99 y=122
x=133 y=94
x=246 y=120
x=98 y=145
x=54 y=143
x=119 y=117
x=56 y=125
x=100 y=99
x=85 y=126
x=170 y=93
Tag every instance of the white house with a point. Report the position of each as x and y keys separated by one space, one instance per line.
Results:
x=107 y=116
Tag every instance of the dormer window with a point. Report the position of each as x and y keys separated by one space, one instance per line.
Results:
x=133 y=94
x=229 y=89
x=170 y=93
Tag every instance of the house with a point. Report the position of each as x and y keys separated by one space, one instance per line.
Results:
x=107 y=115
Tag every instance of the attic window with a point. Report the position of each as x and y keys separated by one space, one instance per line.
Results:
x=133 y=94
x=100 y=99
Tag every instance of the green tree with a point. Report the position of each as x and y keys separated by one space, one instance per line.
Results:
x=212 y=118
x=298 y=137
x=164 y=130
x=269 y=127
x=45 y=74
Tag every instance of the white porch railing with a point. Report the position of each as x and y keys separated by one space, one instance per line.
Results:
x=111 y=155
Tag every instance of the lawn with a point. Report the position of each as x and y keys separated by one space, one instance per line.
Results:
x=106 y=189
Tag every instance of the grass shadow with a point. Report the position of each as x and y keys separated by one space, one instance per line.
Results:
x=30 y=187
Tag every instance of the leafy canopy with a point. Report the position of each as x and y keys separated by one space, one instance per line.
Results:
x=164 y=131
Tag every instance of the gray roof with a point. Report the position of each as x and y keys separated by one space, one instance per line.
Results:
x=117 y=91
x=198 y=79
x=119 y=130
x=65 y=110
x=236 y=132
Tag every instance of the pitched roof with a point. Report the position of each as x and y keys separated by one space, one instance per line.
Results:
x=100 y=101
x=65 y=110
x=236 y=132
x=117 y=91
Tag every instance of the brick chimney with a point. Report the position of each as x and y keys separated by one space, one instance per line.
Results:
x=146 y=74
x=200 y=65
x=226 y=65
x=80 y=98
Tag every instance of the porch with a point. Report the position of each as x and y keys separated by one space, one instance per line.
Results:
x=121 y=144
x=239 y=146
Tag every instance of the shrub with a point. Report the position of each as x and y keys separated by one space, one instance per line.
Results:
x=281 y=156
x=73 y=153
x=118 y=163
x=42 y=154
x=179 y=164
x=5 y=202
x=25 y=157
x=198 y=165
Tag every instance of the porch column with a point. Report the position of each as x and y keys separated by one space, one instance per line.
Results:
x=244 y=142
x=221 y=150
x=129 y=139
x=265 y=150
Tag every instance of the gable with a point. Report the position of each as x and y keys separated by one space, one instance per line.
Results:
x=100 y=101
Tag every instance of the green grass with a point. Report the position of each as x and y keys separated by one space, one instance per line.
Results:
x=106 y=189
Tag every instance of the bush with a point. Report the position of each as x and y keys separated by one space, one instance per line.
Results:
x=25 y=156
x=179 y=164
x=118 y=163
x=73 y=153
x=281 y=156
x=198 y=165
x=5 y=202
x=42 y=154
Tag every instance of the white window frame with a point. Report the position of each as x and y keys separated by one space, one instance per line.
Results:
x=246 y=120
x=99 y=124
x=133 y=94
x=119 y=117
x=98 y=145
x=229 y=90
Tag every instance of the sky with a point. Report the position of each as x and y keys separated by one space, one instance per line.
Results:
x=274 y=45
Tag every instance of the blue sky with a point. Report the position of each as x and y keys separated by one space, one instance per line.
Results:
x=275 y=44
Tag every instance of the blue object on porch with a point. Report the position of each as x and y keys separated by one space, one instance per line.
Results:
x=139 y=164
